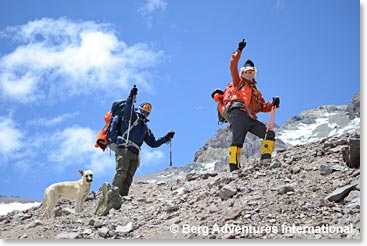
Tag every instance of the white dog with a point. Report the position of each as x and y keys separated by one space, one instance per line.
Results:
x=74 y=191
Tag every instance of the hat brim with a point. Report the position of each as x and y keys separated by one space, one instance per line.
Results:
x=217 y=91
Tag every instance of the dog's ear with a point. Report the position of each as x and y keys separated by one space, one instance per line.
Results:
x=81 y=172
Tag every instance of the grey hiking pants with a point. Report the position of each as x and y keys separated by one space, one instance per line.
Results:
x=241 y=123
x=126 y=164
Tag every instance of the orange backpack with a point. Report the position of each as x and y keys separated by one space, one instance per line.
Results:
x=227 y=94
x=102 y=137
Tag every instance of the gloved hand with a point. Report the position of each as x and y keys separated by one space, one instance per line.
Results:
x=276 y=102
x=241 y=45
x=133 y=92
x=169 y=136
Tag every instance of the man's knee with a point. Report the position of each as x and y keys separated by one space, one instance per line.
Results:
x=237 y=144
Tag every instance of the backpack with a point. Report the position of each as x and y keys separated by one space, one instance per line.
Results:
x=107 y=136
x=102 y=137
x=223 y=107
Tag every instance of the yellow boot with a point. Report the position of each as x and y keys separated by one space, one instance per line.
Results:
x=267 y=147
x=234 y=158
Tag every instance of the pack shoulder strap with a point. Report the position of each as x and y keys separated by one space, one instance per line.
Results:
x=135 y=123
x=239 y=104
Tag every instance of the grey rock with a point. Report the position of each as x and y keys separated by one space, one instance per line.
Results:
x=68 y=235
x=247 y=216
x=33 y=224
x=355 y=203
x=103 y=232
x=284 y=189
x=296 y=170
x=172 y=208
x=227 y=192
x=354 y=107
x=352 y=195
x=91 y=222
x=340 y=193
x=87 y=232
x=351 y=154
x=129 y=227
x=161 y=183
x=325 y=169
x=275 y=164
x=110 y=198
x=67 y=211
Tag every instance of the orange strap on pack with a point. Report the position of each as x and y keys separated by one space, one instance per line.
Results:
x=270 y=125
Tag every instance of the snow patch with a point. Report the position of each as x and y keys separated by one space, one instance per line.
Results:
x=6 y=208
x=208 y=167
x=302 y=133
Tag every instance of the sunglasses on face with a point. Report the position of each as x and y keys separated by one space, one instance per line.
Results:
x=250 y=72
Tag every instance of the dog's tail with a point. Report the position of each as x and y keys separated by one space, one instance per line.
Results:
x=42 y=208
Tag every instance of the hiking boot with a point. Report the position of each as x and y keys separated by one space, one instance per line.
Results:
x=233 y=167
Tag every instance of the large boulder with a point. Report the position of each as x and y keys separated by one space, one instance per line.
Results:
x=354 y=107
x=109 y=198
x=351 y=153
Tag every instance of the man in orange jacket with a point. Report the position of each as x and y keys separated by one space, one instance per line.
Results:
x=244 y=103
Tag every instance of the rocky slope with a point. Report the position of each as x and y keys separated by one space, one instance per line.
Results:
x=307 y=192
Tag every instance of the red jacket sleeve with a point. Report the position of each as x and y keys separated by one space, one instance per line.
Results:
x=265 y=106
x=234 y=68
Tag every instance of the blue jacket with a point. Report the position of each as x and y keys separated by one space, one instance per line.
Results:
x=139 y=130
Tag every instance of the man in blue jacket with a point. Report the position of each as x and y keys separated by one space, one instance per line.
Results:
x=135 y=131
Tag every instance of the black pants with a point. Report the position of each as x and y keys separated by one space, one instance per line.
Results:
x=241 y=123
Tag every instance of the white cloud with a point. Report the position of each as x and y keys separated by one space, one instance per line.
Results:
x=69 y=147
x=150 y=8
x=102 y=162
x=151 y=157
x=71 y=143
x=154 y=5
x=65 y=57
x=11 y=139
x=74 y=146
x=45 y=122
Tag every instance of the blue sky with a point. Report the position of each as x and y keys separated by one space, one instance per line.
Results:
x=63 y=63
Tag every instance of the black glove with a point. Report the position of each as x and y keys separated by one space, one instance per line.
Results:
x=241 y=45
x=133 y=92
x=276 y=102
x=169 y=136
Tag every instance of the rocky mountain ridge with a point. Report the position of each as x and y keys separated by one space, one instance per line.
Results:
x=311 y=125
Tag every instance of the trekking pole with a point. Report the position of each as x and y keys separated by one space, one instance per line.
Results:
x=170 y=161
x=271 y=123
x=131 y=115
x=170 y=153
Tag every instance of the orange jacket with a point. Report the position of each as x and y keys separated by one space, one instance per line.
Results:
x=247 y=94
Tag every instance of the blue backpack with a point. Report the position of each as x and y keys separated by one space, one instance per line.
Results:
x=108 y=135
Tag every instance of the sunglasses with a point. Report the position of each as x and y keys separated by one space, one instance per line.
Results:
x=250 y=72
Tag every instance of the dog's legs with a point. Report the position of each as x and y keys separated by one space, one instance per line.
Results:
x=44 y=204
x=52 y=201
x=78 y=205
